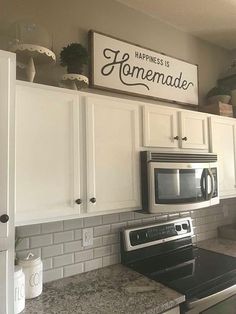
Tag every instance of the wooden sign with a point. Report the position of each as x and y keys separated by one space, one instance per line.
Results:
x=121 y=66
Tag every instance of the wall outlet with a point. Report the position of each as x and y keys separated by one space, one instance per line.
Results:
x=87 y=236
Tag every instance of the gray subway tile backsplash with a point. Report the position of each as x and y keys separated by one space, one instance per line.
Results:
x=41 y=240
x=52 y=250
x=60 y=243
x=51 y=227
x=61 y=237
x=62 y=260
x=93 y=264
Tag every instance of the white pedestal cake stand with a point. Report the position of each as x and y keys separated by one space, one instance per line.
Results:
x=74 y=81
x=32 y=55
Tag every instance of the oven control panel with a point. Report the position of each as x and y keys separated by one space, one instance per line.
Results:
x=154 y=234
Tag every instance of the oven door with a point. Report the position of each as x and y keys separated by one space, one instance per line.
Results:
x=218 y=303
x=181 y=186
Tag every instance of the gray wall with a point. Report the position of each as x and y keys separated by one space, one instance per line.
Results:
x=69 y=21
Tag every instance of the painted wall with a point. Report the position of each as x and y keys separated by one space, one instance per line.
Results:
x=69 y=21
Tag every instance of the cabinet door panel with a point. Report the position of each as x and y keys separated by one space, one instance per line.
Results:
x=45 y=152
x=223 y=143
x=113 y=158
x=7 y=179
x=3 y=282
x=193 y=127
x=159 y=127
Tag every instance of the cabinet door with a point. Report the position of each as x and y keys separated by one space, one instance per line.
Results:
x=7 y=184
x=193 y=130
x=47 y=176
x=4 y=282
x=222 y=133
x=160 y=127
x=112 y=154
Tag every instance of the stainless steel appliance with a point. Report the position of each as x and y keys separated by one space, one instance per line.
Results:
x=177 y=182
x=165 y=253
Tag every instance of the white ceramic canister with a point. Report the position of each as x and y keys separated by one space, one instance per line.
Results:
x=19 y=290
x=33 y=269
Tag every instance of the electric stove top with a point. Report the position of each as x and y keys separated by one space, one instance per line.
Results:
x=165 y=253
x=190 y=271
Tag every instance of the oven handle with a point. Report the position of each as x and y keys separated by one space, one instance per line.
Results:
x=197 y=306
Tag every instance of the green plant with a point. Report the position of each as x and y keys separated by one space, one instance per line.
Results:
x=215 y=91
x=74 y=56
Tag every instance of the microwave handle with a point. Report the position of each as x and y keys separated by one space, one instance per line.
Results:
x=209 y=173
x=203 y=179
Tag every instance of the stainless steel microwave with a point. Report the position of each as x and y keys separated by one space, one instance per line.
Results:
x=174 y=182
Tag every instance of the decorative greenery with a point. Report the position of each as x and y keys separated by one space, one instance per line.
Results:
x=74 y=55
x=215 y=91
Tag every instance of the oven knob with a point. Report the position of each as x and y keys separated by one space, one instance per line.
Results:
x=178 y=228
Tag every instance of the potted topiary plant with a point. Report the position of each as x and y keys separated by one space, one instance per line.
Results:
x=74 y=57
x=218 y=93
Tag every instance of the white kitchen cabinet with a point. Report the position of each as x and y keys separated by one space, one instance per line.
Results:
x=223 y=137
x=193 y=130
x=172 y=128
x=7 y=176
x=76 y=154
x=47 y=153
x=112 y=154
x=160 y=127
x=4 y=261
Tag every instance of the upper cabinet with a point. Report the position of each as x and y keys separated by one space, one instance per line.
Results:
x=47 y=159
x=173 y=128
x=112 y=137
x=160 y=127
x=223 y=142
x=75 y=154
x=193 y=128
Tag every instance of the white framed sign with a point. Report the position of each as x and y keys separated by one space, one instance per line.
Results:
x=121 y=66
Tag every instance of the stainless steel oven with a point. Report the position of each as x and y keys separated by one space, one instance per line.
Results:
x=177 y=182
x=165 y=253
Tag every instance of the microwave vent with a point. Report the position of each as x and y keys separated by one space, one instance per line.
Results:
x=180 y=157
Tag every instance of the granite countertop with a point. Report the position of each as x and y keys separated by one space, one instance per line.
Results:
x=113 y=289
x=219 y=245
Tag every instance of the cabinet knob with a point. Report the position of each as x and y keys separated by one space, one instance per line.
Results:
x=176 y=138
x=184 y=138
x=4 y=218
x=78 y=201
x=93 y=200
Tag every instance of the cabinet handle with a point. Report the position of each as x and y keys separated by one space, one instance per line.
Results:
x=78 y=201
x=93 y=200
x=4 y=218
x=176 y=138
x=184 y=138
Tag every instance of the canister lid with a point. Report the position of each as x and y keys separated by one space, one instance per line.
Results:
x=29 y=260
